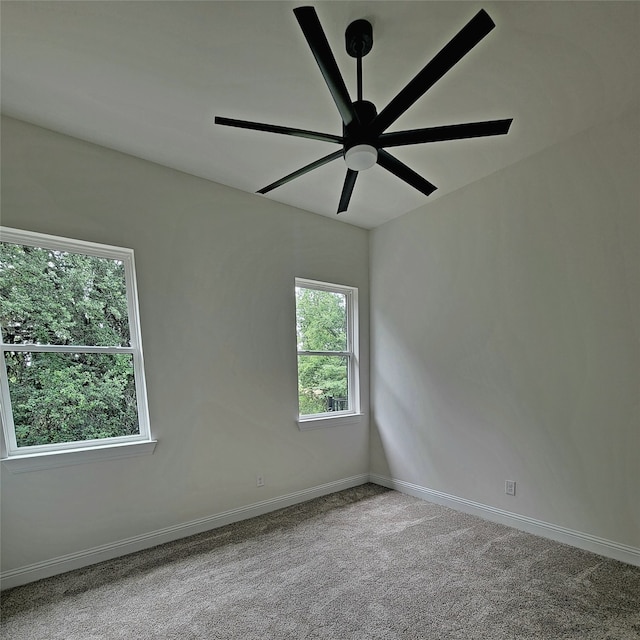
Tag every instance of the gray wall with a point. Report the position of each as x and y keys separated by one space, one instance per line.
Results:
x=216 y=271
x=505 y=342
x=505 y=333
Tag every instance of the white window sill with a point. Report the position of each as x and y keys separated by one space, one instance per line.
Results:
x=52 y=459
x=305 y=424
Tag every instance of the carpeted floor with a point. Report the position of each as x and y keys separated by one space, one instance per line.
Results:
x=361 y=564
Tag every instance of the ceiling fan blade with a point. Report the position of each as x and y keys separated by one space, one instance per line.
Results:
x=273 y=128
x=347 y=190
x=467 y=38
x=447 y=132
x=301 y=172
x=313 y=32
x=393 y=165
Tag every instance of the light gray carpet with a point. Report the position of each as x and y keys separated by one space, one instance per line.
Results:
x=362 y=564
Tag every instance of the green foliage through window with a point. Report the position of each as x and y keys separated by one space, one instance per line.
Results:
x=69 y=397
x=53 y=297
x=322 y=326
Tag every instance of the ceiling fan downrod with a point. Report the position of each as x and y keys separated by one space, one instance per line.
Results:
x=359 y=41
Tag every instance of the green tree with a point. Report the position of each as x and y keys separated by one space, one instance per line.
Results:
x=63 y=298
x=321 y=326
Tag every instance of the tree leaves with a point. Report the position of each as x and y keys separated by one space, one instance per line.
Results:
x=321 y=320
x=56 y=297
x=62 y=298
x=321 y=326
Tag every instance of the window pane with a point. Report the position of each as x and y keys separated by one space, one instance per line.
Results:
x=322 y=384
x=321 y=320
x=56 y=297
x=70 y=397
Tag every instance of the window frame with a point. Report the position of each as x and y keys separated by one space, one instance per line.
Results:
x=352 y=413
x=85 y=449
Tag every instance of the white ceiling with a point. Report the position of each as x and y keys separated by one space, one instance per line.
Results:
x=148 y=77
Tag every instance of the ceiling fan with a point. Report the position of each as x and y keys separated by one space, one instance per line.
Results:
x=363 y=141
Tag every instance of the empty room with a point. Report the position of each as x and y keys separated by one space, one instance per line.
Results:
x=320 y=321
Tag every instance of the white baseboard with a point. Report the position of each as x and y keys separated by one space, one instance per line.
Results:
x=62 y=564
x=601 y=546
x=69 y=562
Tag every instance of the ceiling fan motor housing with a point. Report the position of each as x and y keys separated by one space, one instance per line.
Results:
x=359 y=131
x=360 y=144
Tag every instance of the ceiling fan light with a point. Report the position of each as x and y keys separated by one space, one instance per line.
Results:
x=361 y=157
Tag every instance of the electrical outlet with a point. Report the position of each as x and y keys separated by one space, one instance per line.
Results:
x=510 y=487
x=259 y=481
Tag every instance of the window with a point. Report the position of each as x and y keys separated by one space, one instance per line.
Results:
x=71 y=370
x=326 y=327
